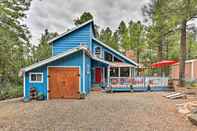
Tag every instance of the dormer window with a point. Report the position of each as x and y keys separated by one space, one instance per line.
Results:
x=98 y=52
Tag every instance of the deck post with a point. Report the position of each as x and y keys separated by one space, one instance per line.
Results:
x=108 y=75
x=130 y=73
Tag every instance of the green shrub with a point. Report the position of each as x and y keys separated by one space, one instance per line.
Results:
x=10 y=91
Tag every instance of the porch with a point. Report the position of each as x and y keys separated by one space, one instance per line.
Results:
x=118 y=76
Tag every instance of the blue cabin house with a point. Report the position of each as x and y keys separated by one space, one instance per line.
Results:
x=79 y=62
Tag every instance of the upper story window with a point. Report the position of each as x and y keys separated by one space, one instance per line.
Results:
x=36 y=77
x=98 y=52
x=108 y=56
x=117 y=60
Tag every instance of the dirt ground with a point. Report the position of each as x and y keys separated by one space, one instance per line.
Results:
x=98 y=112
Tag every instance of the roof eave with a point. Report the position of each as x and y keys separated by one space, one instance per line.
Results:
x=133 y=62
x=68 y=32
x=51 y=59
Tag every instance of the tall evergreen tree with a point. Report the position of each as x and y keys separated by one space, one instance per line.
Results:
x=14 y=39
x=86 y=16
x=43 y=50
x=83 y=18
x=181 y=11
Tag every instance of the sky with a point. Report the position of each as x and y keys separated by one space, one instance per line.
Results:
x=58 y=15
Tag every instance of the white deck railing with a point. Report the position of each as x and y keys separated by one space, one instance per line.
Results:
x=124 y=82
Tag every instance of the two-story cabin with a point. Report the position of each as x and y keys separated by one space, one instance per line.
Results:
x=78 y=61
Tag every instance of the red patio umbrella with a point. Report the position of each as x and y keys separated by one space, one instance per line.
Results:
x=163 y=63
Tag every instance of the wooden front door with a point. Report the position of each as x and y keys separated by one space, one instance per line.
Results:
x=98 y=75
x=63 y=82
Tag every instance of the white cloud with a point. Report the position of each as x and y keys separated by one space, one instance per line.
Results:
x=58 y=15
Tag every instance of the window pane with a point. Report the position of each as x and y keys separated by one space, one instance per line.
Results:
x=108 y=56
x=33 y=77
x=124 y=72
x=114 y=72
x=98 y=51
x=117 y=60
x=39 y=77
x=36 y=77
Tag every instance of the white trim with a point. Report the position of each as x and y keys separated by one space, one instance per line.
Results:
x=108 y=75
x=100 y=51
x=24 y=93
x=53 y=58
x=68 y=32
x=115 y=51
x=130 y=74
x=62 y=67
x=36 y=73
x=103 y=74
x=52 y=49
x=84 y=73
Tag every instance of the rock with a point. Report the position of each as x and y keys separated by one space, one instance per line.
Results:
x=193 y=118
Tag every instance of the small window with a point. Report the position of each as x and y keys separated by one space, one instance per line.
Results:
x=114 y=72
x=98 y=52
x=108 y=56
x=124 y=72
x=36 y=77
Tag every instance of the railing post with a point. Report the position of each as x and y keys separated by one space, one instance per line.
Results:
x=108 y=75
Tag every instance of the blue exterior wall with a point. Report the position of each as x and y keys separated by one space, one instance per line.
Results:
x=74 y=39
x=75 y=60
x=84 y=35
x=87 y=74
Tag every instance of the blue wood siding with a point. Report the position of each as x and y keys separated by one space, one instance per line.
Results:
x=87 y=74
x=74 y=60
x=74 y=39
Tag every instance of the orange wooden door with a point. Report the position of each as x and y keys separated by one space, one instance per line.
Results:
x=63 y=82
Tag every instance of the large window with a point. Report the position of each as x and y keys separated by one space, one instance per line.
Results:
x=124 y=72
x=108 y=56
x=98 y=52
x=114 y=72
x=36 y=77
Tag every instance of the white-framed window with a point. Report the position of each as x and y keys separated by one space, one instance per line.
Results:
x=98 y=52
x=36 y=77
x=124 y=71
x=114 y=72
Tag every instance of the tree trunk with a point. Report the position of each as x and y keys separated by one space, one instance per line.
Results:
x=138 y=56
x=160 y=54
x=182 y=54
x=160 y=51
x=138 y=60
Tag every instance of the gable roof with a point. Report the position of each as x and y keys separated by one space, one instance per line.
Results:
x=113 y=50
x=53 y=58
x=74 y=29
x=61 y=55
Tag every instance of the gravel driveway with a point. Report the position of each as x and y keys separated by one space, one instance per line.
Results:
x=98 y=112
